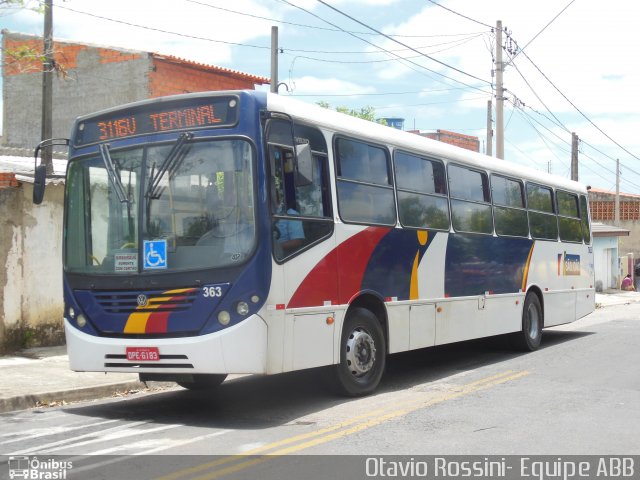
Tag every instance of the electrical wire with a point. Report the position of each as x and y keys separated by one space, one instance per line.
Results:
x=460 y=14
x=543 y=29
x=580 y=111
x=283 y=22
x=422 y=67
x=401 y=43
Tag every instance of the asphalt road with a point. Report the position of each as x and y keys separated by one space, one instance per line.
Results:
x=578 y=395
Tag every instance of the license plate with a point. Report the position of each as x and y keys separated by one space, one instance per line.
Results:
x=143 y=354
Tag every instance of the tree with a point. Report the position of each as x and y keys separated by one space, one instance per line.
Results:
x=366 y=113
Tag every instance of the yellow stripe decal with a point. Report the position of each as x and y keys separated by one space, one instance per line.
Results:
x=525 y=275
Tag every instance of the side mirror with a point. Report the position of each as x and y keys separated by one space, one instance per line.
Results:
x=304 y=167
x=39 y=183
x=40 y=171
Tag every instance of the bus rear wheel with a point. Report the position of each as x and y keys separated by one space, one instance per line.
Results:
x=202 y=381
x=362 y=354
x=529 y=338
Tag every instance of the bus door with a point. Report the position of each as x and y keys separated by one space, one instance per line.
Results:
x=302 y=237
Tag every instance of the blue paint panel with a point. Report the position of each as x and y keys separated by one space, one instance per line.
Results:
x=390 y=265
x=476 y=264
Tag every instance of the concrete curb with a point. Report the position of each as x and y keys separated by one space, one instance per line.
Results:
x=25 y=402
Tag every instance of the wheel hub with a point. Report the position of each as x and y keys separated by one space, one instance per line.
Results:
x=361 y=352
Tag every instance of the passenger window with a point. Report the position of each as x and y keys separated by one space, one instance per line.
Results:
x=543 y=223
x=422 y=201
x=470 y=200
x=584 y=215
x=365 y=194
x=569 y=223
x=300 y=205
x=509 y=213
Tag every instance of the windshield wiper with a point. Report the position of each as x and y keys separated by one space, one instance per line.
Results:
x=170 y=164
x=113 y=175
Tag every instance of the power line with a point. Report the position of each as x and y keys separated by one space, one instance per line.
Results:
x=400 y=43
x=580 y=111
x=283 y=22
x=460 y=14
x=559 y=123
x=388 y=51
x=544 y=28
x=326 y=60
x=145 y=27
x=377 y=94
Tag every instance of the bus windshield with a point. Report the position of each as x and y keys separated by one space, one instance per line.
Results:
x=173 y=208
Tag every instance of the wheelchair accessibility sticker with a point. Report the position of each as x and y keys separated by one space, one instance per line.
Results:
x=155 y=254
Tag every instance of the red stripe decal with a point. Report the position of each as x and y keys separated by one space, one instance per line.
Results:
x=327 y=281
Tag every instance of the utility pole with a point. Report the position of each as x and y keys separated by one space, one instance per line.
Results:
x=47 y=86
x=489 y=129
x=274 y=60
x=616 y=217
x=499 y=94
x=574 y=156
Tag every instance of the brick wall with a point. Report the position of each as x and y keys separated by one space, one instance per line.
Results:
x=92 y=78
x=170 y=77
x=452 y=138
x=89 y=79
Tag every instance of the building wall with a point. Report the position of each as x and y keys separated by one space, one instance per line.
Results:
x=602 y=206
x=458 y=139
x=169 y=77
x=31 y=307
x=90 y=79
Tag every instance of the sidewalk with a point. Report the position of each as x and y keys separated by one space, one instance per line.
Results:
x=41 y=376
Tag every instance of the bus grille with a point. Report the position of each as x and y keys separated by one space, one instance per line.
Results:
x=166 y=361
x=157 y=301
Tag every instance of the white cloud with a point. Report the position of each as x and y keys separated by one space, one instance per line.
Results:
x=309 y=85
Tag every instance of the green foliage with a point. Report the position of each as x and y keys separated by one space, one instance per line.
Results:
x=366 y=113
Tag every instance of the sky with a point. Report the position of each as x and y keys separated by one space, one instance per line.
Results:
x=571 y=65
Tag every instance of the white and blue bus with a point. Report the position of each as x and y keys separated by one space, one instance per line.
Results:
x=245 y=232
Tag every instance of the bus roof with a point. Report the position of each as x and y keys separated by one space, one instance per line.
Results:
x=377 y=133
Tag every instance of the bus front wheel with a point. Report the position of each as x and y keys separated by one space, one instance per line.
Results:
x=529 y=338
x=203 y=381
x=362 y=354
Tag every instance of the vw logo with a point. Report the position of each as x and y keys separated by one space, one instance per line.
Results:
x=142 y=300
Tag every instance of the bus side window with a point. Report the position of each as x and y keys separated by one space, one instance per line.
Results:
x=584 y=215
x=301 y=210
x=543 y=223
x=365 y=193
x=422 y=201
x=470 y=200
x=509 y=207
x=569 y=222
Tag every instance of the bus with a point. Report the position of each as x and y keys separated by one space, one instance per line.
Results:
x=242 y=232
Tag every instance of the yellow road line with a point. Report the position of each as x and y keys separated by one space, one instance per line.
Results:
x=324 y=435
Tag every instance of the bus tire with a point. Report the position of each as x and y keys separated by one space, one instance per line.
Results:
x=362 y=354
x=529 y=338
x=203 y=381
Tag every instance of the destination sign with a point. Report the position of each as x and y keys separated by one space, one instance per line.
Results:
x=159 y=117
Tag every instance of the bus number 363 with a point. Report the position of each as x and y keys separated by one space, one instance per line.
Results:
x=212 y=292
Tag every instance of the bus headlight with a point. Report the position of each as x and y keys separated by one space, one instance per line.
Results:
x=242 y=308
x=81 y=320
x=72 y=313
x=224 y=318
